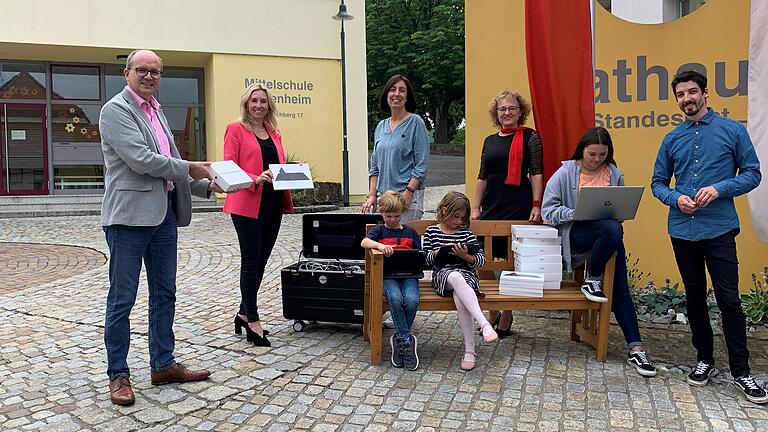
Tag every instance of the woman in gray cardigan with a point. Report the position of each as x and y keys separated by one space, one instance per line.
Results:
x=592 y=164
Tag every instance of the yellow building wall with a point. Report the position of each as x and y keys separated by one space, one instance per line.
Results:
x=716 y=36
x=207 y=34
x=494 y=60
x=309 y=120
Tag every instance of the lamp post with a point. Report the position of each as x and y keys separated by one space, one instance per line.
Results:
x=342 y=16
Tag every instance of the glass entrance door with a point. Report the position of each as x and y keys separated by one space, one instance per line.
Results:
x=23 y=150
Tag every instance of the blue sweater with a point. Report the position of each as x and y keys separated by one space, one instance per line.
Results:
x=400 y=155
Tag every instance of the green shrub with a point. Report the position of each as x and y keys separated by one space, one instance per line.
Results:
x=660 y=300
x=756 y=302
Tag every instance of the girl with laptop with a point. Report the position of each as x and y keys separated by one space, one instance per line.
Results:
x=592 y=164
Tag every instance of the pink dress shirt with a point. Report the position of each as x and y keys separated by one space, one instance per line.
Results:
x=150 y=109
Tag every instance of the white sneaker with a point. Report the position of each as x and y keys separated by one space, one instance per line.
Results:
x=639 y=360
x=388 y=323
x=593 y=290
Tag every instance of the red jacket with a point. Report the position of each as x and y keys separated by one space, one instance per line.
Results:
x=241 y=146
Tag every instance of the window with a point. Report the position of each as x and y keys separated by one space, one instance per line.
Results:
x=75 y=123
x=75 y=82
x=186 y=126
x=651 y=12
x=22 y=81
x=114 y=81
x=183 y=86
x=78 y=177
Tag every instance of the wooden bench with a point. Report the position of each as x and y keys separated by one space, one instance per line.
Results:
x=590 y=321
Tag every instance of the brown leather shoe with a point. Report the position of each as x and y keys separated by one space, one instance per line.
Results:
x=120 y=391
x=178 y=373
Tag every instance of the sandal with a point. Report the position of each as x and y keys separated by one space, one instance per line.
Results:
x=494 y=323
x=489 y=334
x=468 y=362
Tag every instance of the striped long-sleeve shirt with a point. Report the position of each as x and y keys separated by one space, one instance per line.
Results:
x=434 y=239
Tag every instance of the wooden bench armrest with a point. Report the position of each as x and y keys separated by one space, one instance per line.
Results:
x=374 y=293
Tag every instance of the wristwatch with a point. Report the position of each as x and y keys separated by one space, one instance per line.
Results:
x=410 y=189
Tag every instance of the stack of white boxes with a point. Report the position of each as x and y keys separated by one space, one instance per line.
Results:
x=521 y=284
x=537 y=250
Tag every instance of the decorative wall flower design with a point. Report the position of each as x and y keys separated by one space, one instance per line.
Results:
x=69 y=127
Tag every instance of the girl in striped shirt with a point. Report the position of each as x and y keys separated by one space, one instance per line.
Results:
x=456 y=277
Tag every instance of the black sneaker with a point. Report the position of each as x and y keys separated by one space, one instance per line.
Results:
x=397 y=352
x=593 y=289
x=410 y=357
x=699 y=376
x=641 y=363
x=751 y=389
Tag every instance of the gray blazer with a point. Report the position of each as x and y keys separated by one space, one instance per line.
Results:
x=135 y=172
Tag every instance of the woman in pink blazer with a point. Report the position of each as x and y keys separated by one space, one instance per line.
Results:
x=254 y=142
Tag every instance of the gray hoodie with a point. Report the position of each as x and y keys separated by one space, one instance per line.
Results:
x=560 y=201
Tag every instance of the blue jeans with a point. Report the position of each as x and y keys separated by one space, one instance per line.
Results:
x=128 y=245
x=603 y=238
x=403 y=298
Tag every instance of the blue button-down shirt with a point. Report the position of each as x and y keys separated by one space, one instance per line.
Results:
x=713 y=151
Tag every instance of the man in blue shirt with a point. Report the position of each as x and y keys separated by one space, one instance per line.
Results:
x=713 y=161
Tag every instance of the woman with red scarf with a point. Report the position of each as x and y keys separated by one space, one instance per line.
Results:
x=510 y=180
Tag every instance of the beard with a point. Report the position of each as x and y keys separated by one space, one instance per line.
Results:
x=692 y=108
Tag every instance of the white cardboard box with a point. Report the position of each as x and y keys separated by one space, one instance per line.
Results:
x=552 y=277
x=539 y=259
x=539 y=231
x=538 y=240
x=534 y=249
x=538 y=267
x=229 y=176
x=522 y=284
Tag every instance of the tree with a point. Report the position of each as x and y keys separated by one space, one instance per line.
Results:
x=423 y=40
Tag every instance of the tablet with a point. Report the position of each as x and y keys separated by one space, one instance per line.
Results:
x=445 y=255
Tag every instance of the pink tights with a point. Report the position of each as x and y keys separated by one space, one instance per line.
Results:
x=468 y=309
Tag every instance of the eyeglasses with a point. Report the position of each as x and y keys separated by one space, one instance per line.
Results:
x=507 y=109
x=142 y=72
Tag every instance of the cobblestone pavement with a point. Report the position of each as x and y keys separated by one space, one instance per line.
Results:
x=27 y=265
x=52 y=360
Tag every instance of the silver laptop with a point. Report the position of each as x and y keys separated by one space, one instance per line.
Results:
x=608 y=202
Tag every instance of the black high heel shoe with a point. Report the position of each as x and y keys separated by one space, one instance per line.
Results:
x=505 y=332
x=240 y=323
x=252 y=336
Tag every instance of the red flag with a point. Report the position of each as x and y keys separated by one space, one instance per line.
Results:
x=558 y=43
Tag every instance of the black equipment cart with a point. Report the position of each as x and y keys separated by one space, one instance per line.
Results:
x=327 y=284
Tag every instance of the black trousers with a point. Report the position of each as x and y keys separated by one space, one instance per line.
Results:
x=257 y=238
x=718 y=255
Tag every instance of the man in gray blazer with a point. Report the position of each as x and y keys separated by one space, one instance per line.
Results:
x=147 y=195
